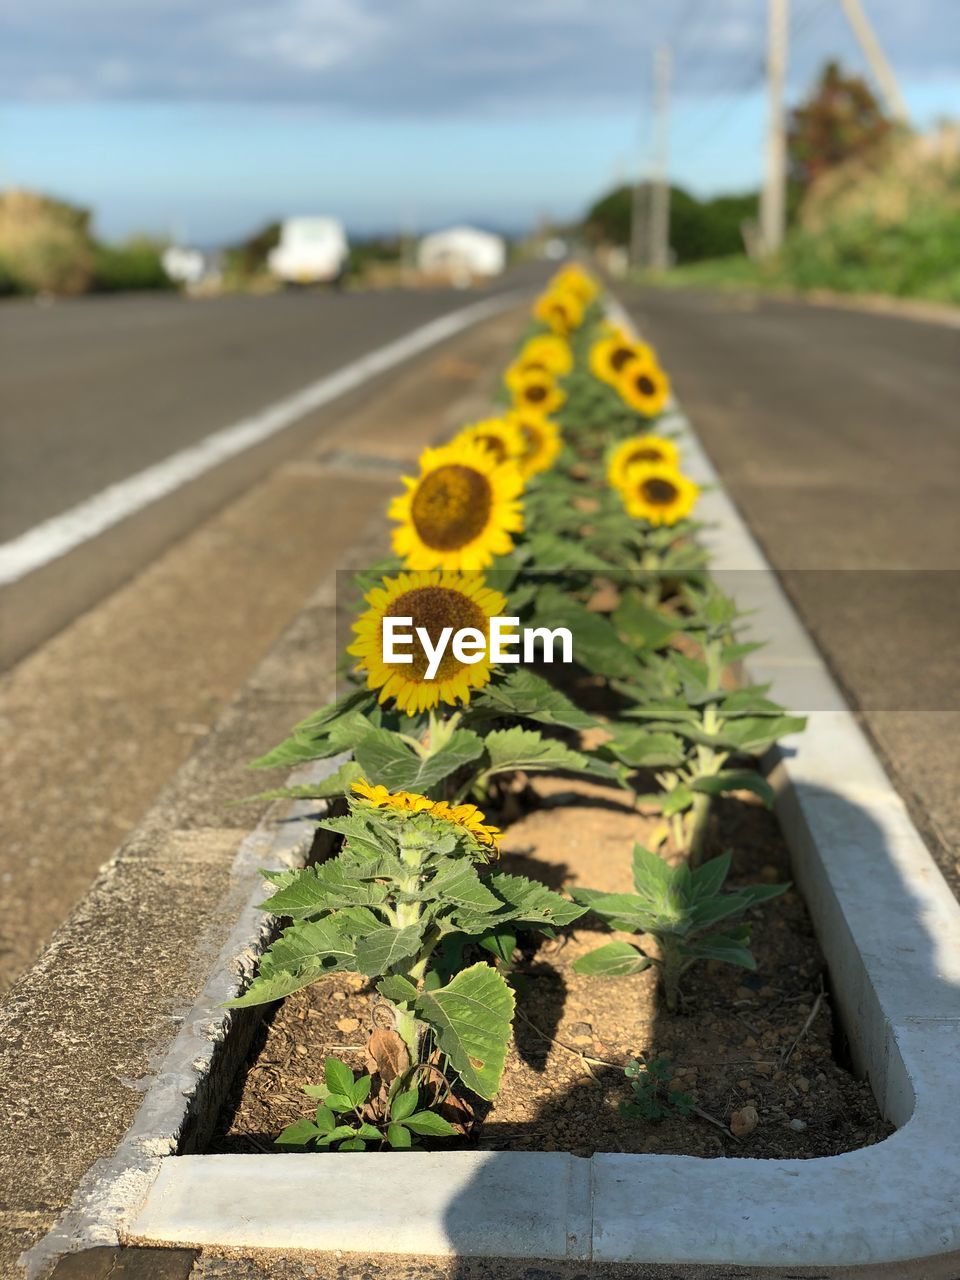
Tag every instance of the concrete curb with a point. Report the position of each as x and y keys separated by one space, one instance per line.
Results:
x=890 y=930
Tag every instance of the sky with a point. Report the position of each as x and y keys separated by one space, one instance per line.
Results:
x=206 y=118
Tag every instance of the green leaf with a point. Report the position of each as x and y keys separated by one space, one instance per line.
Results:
x=396 y=989
x=429 y=1125
x=664 y=709
x=361 y=1091
x=736 y=652
x=471 y=1017
x=459 y=882
x=404 y=1104
x=303 y=953
x=298 y=1134
x=549 y=552
x=523 y=693
x=642 y=748
x=380 y=950
x=707 y=879
x=596 y=644
x=651 y=875
x=290 y=752
x=369 y=1132
x=337 y=784
x=320 y=721
x=399 y=1137
x=386 y=759
x=501 y=944
x=736 y=780
x=339 y=1102
x=750 y=701
x=354 y=1144
x=337 y=1076
x=719 y=947
x=331 y=885
x=622 y=911
x=325 y=1119
x=517 y=748
x=614 y=960
x=645 y=627
x=533 y=903
x=677 y=800
x=753 y=734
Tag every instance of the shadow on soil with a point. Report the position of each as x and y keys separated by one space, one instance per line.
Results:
x=922 y=963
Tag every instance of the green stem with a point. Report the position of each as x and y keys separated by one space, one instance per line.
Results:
x=670 y=970
x=408 y=1029
x=699 y=824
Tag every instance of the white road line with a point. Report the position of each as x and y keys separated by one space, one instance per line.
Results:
x=55 y=537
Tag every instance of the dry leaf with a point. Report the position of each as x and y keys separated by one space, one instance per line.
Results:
x=387 y=1055
x=744 y=1121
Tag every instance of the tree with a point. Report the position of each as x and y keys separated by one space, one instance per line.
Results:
x=840 y=119
x=698 y=228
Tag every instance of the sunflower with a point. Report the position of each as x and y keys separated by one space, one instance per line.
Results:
x=433 y=600
x=640 y=449
x=461 y=510
x=644 y=387
x=545 y=354
x=562 y=310
x=498 y=436
x=537 y=391
x=547 y=351
x=611 y=355
x=466 y=816
x=541 y=442
x=573 y=279
x=657 y=493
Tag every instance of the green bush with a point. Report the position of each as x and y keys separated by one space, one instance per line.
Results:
x=918 y=257
x=699 y=229
x=134 y=265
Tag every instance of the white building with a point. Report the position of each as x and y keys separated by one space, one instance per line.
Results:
x=184 y=266
x=463 y=254
x=311 y=251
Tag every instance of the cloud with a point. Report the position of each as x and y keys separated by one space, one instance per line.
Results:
x=427 y=57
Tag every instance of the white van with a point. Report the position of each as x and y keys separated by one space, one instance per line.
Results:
x=311 y=251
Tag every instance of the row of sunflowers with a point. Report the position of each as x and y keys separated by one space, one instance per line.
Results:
x=571 y=509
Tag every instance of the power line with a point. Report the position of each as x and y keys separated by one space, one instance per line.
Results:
x=735 y=97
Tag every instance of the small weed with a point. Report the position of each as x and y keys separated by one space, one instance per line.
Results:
x=653 y=1099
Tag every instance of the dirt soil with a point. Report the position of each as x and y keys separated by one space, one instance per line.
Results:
x=765 y=1040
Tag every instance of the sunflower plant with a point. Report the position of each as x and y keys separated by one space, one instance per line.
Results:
x=412 y=875
x=693 y=726
x=684 y=909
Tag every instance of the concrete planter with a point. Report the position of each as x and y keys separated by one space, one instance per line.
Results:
x=890 y=930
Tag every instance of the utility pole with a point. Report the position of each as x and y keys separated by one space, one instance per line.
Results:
x=638 y=220
x=660 y=185
x=773 y=199
x=873 y=52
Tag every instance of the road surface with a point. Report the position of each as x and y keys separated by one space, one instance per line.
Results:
x=96 y=390
x=837 y=433
x=130 y=647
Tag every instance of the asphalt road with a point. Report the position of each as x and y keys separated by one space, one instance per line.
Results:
x=95 y=390
x=837 y=433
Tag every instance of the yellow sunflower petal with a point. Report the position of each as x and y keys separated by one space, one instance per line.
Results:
x=657 y=493
x=649 y=449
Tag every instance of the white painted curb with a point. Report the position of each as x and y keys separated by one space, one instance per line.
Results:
x=890 y=929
